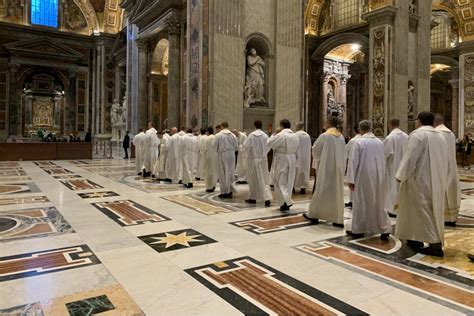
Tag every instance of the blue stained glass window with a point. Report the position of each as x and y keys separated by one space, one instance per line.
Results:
x=44 y=12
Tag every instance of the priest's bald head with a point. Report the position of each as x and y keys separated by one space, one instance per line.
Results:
x=365 y=127
x=394 y=123
x=332 y=121
x=425 y=119
x=439 y=120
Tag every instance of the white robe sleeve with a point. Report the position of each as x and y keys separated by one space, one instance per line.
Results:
x=317 y=151
x=353 y=163
x=408 y=164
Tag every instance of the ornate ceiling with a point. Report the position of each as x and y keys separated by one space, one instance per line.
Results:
x=461 y=10
x=79 y=16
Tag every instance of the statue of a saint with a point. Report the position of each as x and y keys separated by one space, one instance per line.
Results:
x=115 y=113
x=255 y=80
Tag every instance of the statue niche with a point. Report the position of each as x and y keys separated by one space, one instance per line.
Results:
x=256 y=72
x=255 y=79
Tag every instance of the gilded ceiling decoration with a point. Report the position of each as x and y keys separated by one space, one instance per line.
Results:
x=461 y=10
x=78 y=16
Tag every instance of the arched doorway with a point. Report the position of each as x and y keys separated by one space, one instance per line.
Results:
x=340 y=81
x=159 y=85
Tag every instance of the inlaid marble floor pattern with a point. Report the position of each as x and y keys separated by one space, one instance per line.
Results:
x=90 y=237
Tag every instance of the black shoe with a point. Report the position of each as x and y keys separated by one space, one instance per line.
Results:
x=392 y=215
x=241 y=182
x=384 y=237
x=267 y=203
x=450 y=224
x=303 y=191
x=415 y=245
x=284 y=208
x=348 y=204
x=315 y=221
x=471 y=257
x=432 y=250
x=210 y=190
x=338 y=225
x=225 y=196
x=139 y=174
x=350 y=233
x=250 y=201
x=198 y=179
x=180 y=182
x=168 y=180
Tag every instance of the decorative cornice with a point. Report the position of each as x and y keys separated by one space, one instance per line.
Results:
x=142 y=44
x=384 y=15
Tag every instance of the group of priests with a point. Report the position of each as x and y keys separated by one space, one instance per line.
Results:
x=413 y=178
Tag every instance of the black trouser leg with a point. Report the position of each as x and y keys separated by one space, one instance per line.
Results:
x=126 y=153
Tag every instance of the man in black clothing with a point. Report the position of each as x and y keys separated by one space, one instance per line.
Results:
x=126 y=144
x=88 y=138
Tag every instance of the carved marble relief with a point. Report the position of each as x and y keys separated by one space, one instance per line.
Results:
x=469 y=94
x=379 y=81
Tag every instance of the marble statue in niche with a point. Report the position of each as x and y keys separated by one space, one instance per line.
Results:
x=255 y=79
x=411 y=101
x=334 y=108
x=117 y=120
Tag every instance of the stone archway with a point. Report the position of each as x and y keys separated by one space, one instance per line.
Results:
x=158 y=92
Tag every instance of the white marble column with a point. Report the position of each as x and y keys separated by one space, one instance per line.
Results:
x=174 y=72
x=143 y=47
x=99 y=99
x=132 y=78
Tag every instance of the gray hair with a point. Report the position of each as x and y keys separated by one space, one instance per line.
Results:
x=365 y=126
x=299 y=125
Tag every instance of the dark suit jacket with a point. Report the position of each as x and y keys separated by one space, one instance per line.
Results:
x=126 y=141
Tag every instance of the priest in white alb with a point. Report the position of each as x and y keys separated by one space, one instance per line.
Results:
x=285 y=145
x=165 y=138
x=152 y=143
x=201 y=159
x=241 y=167
x=453 y=190
x=211 y=167
x=258 y=176
x=226 y=144
x=303 y=159
x=423 y=174
x=173 y=153
x=366 y=176
x=189 y=148
x=139 y=143
x=394 y=145
x=328 y=161
x=346 y=160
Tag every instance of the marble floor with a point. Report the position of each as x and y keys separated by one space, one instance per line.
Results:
x=90 y=237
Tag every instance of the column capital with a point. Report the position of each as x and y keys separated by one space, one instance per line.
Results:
x=142 y=44
x=173 y=24
x=14 y=67
x=384 y=15
x=72 y=73
x=454 y=83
